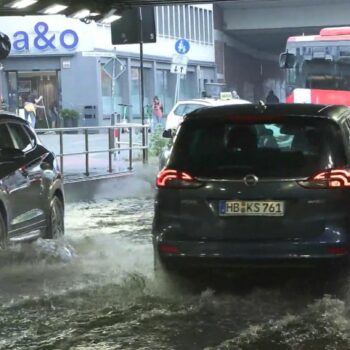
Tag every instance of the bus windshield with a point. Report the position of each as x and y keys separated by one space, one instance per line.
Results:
x=320 y=74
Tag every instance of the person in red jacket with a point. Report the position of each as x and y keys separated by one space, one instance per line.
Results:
x=157 y=111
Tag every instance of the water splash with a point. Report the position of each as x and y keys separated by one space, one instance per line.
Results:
x=96 y=290
x=324 y=324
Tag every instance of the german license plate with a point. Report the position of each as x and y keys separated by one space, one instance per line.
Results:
x=251 y=208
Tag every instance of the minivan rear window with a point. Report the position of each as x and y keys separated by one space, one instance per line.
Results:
x=280 y=148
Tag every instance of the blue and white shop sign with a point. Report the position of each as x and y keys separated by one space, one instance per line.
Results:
x=44 y=40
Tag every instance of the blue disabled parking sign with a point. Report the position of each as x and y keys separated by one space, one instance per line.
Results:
x=182 y=46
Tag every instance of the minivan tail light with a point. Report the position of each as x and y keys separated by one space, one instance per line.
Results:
x=168 y=249
x=328 y=179
x=176 y=179
x=337 y=250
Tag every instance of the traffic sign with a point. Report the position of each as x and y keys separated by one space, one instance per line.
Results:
x=178 y=68
x=180 y=59
x=114 y=68
x=179 y=64
x=226 y=95
x=182 y=46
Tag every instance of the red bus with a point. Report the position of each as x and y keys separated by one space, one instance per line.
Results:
x=320 y=72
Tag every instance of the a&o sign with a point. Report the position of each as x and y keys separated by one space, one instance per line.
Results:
x=43 y=40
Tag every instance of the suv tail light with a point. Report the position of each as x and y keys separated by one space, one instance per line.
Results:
x=332 y=178
x=169 y=178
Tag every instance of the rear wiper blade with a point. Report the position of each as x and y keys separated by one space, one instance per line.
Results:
x=223 y=167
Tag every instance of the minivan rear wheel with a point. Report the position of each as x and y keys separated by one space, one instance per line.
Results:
x=164 y=271
x=160 y=268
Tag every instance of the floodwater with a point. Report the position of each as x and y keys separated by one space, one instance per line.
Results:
x=96 y=290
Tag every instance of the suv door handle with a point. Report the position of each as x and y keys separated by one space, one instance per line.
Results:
x=23 y=171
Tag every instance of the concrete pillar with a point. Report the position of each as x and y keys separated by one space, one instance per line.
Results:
x=220 y=60
x=219 y=44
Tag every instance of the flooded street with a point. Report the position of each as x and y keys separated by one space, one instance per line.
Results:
x=238 y=111
x=96 y=290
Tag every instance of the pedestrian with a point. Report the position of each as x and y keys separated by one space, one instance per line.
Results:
x=271 y=98
x=30 y=106
x=157 y=111
x=54 y=116
x=3 y=104
x=235 y=95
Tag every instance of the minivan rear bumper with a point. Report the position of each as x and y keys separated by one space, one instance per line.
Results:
x=220 y=254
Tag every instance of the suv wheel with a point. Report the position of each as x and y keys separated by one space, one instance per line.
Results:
x=3 y=233
x=55 y=227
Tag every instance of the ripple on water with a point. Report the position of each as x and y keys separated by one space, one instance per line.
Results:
x=323 y=324
x=96 y=290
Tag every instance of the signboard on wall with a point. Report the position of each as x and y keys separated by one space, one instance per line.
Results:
x=126 y=30
x=24 y=86
x=66 y=64
x=44 y=40
x=98 y=54
x=45 y=35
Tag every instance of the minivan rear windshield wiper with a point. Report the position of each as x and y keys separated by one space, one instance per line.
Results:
x=233 y=166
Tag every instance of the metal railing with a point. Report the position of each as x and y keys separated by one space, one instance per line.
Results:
x=115 y=145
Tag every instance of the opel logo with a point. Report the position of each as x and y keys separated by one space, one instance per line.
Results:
x=250 y=180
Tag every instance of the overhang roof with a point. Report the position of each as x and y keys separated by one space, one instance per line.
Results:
x=101 y=6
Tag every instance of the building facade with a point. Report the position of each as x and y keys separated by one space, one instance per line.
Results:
x=72 y=64
x=249 y=71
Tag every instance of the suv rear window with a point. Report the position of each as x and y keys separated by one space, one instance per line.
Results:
x=232 y=149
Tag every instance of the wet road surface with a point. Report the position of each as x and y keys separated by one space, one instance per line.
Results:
x=96 y=290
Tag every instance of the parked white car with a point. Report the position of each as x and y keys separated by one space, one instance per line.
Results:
x=181 y=108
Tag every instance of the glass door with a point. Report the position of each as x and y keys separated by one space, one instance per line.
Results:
x=36 y=84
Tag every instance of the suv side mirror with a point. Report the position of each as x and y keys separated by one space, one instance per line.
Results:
x=5 y=46
x=168 y=134
x=287 y=60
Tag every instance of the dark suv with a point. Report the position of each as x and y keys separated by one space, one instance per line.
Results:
x=31 y=187
x=255 y=184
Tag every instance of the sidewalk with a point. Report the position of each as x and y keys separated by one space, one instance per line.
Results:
x=74 y=166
